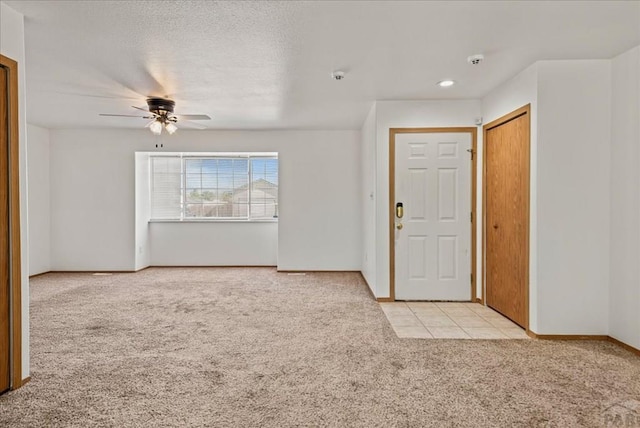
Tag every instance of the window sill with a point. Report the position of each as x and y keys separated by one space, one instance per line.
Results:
x=204 y=220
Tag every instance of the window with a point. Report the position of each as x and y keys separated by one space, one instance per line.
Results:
x=214 y=186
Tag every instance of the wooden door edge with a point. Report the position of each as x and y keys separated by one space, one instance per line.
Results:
x=524 y=110
x=392 y=186
x=15 y=366
x=392 y=196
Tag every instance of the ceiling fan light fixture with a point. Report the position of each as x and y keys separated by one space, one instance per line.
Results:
x=156 y=127
x=160 y=111
x=171 y=128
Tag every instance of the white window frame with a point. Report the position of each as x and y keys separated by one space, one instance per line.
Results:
x=183 y=189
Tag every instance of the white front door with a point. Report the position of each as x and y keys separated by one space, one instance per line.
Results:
x=433 y=248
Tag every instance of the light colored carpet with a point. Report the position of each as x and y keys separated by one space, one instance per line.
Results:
x=255 y=348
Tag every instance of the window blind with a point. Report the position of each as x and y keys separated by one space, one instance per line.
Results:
x=214 y=187
x=264 y=190
x=166 y=187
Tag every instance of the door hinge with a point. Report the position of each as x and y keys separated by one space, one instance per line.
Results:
x=471 y=278
x=471 y=216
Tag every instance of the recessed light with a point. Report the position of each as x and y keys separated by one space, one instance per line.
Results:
x=446 y=83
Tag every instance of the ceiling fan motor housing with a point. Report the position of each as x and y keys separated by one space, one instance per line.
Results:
x=158 y=105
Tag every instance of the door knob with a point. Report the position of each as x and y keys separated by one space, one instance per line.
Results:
x=495 y=226
x=399 y=226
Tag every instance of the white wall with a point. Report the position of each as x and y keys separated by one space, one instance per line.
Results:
x=574 y=116
x=142 y=247
x=93 y=194
x=12 y=46
x=92 y=200
x=319 y=207
x=513 y=94
x=407 y=114
x=368 y=198
x=624 y=296
x=39 y=201
x=214 y=244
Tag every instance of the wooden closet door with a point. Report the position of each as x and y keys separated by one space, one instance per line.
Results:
x=507 y=217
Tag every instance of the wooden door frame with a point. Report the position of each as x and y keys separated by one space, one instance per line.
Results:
x=392 y=197
x=522 y=111
x=15 y=303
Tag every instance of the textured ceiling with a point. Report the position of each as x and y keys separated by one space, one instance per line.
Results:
x=267 y=65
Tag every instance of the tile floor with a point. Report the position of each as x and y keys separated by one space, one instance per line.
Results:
x=449 y=320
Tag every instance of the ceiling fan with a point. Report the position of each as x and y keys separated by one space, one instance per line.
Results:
x=160 y=111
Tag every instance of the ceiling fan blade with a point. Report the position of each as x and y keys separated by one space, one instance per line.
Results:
x=143 y=109
x=189 y=124
x=193 y=116
x=122 y=115
x=80 y=94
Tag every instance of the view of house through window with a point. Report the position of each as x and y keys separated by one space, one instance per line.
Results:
x=214 y=186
